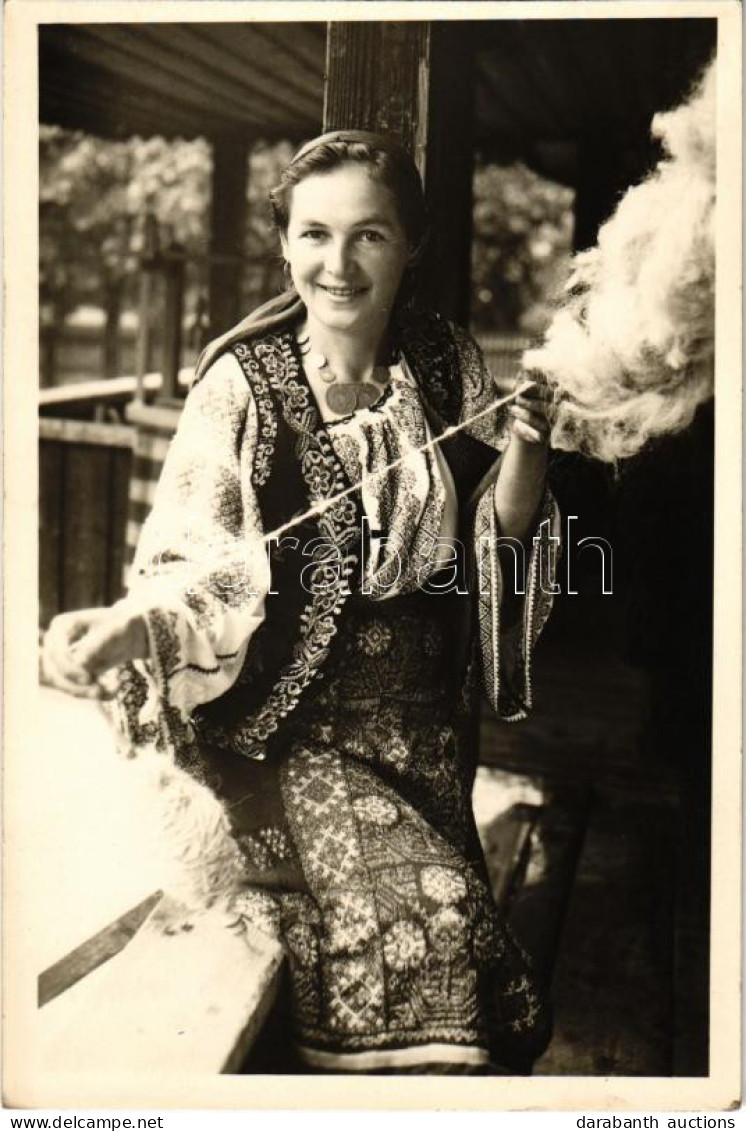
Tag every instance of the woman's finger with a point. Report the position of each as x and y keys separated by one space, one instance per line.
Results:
x=533 y=408
x=120 y=636
x=59 y=649
x=53 y=674
x=527 y=432
x=534 y=419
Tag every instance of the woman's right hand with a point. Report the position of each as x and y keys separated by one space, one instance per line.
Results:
x=79 y=647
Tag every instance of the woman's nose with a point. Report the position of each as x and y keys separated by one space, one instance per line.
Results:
x=338 y=257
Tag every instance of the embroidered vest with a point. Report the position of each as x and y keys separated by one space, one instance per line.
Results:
x=317 y=564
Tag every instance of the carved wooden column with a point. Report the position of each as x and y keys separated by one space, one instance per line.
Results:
x=415 y=80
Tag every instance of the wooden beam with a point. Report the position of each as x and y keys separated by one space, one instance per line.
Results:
x=86 y=432
x=228 y=215
x=414 y=80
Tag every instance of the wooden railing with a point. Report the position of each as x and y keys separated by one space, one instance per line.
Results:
x=84 y=478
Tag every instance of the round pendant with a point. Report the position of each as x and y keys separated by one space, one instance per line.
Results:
x=342 y=399
x=367 y=395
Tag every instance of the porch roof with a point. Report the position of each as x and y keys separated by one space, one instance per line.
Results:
x=542 y=86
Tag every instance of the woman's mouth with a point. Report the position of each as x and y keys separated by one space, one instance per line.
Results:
x=342 y=292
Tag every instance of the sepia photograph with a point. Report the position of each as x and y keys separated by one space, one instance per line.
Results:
x=373 y=480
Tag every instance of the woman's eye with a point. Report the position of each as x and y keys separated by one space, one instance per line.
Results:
x=370 y=235
x=312 y=234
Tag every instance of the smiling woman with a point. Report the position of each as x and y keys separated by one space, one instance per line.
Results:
x=322 y=734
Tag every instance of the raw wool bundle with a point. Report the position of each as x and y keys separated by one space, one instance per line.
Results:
x=630 y=352
x=202 y=863
x=199 y=861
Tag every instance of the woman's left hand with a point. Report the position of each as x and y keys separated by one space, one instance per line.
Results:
x=530 y=411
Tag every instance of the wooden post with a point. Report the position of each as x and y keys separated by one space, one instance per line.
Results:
x=228 y=214
x=415 y=80
x=173 y=319
x=145 y=303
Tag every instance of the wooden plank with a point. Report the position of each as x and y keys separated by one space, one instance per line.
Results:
x=82 y=395
x=188 y=994
x=303 y=42
x=94 y=951
x=86 y=432
x=108 y=105
x=297 y=51
x=51 y=503
x=85 y=551
x=157 y=47
x=360 y=93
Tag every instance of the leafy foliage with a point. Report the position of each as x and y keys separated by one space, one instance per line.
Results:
x=521 y=244
x=94 y=199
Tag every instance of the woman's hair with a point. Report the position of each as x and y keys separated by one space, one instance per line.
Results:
x=387 y=163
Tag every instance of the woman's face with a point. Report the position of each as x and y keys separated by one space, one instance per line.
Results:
x=346 y=248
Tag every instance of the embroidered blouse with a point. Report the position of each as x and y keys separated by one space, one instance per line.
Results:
x=201 y=573
x=205 y=521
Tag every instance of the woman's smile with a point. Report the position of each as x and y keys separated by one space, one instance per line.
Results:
x=342 y=292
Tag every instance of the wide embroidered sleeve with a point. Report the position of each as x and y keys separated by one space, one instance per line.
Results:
x=480 y=394
x=508 y=630
x=201 y=573
x=509 y=626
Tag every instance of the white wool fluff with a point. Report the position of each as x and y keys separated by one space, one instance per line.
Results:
x=198 y=860
x=629 y=353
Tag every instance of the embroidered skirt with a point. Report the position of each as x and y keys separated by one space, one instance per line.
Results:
x=362 y=856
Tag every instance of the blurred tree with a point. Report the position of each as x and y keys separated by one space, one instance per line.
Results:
x=263 y=270
x=521 y=245
x=94 y=198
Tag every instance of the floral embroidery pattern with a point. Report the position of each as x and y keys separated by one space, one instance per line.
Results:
x=404 y=945
x=376 y=810
x=339 y=526
x=350 y=922
x=408 y=939
x=375 y=638
x=267 y=425
x=443 y=885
